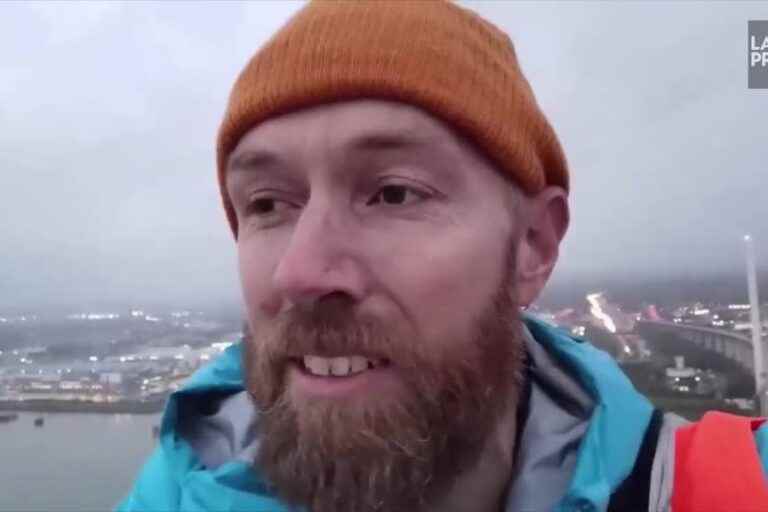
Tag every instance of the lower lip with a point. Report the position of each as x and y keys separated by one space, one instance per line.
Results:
x=364 y=382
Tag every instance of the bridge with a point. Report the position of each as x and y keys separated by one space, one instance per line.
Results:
x=727 y=344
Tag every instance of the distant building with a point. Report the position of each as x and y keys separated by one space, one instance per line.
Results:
x=111 y=378
x=70 y=385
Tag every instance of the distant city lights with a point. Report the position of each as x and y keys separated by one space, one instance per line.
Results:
x=597 y=312
x=93 y=316
x=579 y=330
x=22 y=318
x=221 y=345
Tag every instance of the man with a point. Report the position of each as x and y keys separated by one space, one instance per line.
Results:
x=397 y=198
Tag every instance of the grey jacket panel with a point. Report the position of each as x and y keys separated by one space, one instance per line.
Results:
x=229 y=433
x=663 y=470
x=559 y=412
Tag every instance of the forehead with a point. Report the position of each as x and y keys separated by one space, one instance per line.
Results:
x=358 y=124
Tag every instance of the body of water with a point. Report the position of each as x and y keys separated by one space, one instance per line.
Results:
x=74 y=462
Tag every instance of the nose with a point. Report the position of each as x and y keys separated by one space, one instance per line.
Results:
x=321 y=260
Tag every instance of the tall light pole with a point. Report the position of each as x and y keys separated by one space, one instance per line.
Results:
x=757 y=342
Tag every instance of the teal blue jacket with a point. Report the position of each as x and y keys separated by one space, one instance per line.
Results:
x=174 y=478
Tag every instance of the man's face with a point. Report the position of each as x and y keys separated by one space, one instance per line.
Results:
x=376 y=252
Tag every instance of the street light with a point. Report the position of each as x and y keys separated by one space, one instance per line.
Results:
x=757 y=342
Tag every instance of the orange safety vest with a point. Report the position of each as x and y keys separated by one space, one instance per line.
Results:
x=717 y=466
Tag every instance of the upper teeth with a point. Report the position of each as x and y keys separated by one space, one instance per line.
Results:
x=338 y=366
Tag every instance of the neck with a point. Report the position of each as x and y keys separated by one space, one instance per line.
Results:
x=482 y=487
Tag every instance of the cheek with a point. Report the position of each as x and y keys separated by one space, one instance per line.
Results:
x=256 y=263
x=445 y=283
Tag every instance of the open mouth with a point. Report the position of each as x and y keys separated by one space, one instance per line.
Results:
x=344 y=366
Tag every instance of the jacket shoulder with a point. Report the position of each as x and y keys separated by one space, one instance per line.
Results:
x=165 y=481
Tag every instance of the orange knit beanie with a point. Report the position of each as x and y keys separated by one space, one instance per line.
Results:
x=432 y=54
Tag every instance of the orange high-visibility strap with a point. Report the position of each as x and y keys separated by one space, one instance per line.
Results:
x=717 y=466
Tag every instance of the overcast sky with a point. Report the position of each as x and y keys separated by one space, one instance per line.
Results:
x=108 y=113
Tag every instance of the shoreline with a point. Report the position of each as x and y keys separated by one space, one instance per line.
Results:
x=119 y=407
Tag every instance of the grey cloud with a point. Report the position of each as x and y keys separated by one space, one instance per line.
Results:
x=109 y=112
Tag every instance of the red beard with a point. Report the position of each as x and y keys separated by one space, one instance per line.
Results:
x=382 y=455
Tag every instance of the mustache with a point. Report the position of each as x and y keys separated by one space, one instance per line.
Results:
x=330 y=327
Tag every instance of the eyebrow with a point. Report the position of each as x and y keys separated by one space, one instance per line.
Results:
x=383 y=141
x=249 y=160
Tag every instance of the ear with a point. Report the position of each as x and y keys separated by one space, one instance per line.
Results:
x=544 y=223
